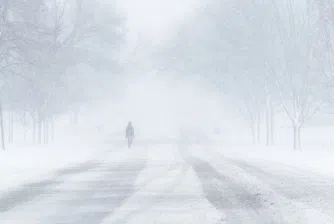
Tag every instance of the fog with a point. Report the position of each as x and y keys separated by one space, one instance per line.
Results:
x=99 y=65
x=254 y=70
x=206 y=84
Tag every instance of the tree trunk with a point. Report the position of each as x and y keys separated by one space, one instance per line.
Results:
x=8 y=126
x=2 y=128
x=39 y=132
x=46 y=132
x=299 y=137
x=34 y=128
x=39 y=128
x=25 y=134
x=268 y=112
x=296 y=136
x=258 y=128
x=52 y=127
x=11 y=133
x=253 y=129
x=75 y=117
x=272 y=124
x=268 y=121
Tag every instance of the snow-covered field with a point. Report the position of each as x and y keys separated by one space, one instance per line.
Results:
x=314 y=161
x=316 y=154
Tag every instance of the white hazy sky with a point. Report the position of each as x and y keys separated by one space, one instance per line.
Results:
x=156 y=19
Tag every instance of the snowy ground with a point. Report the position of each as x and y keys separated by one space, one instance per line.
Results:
x=311 y=160
x=304 y=178
x=169 y=183
x=20 y=164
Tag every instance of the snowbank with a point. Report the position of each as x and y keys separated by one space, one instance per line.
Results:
x=19 y=164
x=276 y=206
x=310 y=160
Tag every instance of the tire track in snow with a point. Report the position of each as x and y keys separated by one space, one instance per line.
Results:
x=309 y=189
x=96 y=200
x=154 y=200
x=239 y=205
x=150 y=197
x=276 y=207
x=30 y=191
x=239 y=198
x=100 y=197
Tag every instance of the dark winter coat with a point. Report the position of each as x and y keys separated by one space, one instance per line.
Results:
x=130 y=132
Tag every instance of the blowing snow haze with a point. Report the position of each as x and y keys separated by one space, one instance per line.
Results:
x=156 y=111
x=157 y=20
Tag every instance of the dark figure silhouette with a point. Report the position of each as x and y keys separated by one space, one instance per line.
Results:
x=129 y=133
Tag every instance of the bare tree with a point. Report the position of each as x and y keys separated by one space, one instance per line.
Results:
x=231 y=45
x=266 y=54
x=300 y=75
x=40 y=40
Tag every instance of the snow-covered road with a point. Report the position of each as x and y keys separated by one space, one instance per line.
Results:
x=171 y=184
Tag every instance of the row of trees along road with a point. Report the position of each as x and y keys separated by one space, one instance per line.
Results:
x=269 y=57
x=40 y=42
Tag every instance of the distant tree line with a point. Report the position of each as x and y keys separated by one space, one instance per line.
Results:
x=268 y=57
x=47 y=48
